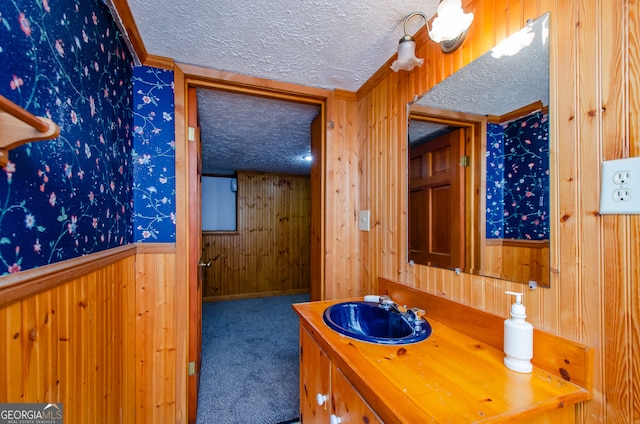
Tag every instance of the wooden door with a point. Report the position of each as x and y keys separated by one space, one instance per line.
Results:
x=317 y=256
x=195 y=248
x=436 y=202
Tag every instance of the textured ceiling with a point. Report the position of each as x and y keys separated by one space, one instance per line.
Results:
x=497 y=86
x=492 y=86
x=247 y=133
x=318 y=43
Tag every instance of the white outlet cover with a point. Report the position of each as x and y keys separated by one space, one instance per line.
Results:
x=620 y=187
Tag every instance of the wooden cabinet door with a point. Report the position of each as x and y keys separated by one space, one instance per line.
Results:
x=347 y=405
x=315 y=374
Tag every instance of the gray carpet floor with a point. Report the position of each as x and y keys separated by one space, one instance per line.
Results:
x=250 y=361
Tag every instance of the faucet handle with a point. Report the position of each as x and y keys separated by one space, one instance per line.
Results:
x=416 y=313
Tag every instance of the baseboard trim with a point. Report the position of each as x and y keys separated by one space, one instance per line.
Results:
x=293 y=421
x=254 y=295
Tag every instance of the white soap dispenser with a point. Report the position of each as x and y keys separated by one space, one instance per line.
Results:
x=518 y=338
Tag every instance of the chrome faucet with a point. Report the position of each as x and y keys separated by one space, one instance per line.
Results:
x=416 y=314
x=413 y=315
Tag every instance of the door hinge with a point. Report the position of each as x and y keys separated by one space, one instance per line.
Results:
x=191 y=368
x=192 y=134
x=464 y=161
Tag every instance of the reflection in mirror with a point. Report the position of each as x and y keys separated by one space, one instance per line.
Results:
x=479 y=164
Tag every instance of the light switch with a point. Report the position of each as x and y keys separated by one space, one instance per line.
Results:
x=363 y=221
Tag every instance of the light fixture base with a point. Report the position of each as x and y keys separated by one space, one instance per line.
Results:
x=406 y=38
x=449 y=46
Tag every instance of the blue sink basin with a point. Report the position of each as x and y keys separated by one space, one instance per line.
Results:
x=372 y=322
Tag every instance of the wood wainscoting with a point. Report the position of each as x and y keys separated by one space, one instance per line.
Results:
x=270 y=253
x=522 y=260
x=96 y=333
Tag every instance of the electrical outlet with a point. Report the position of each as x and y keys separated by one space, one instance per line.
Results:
x=622 y=195
x=622 y=177
x=620 y=191
x=363 y=221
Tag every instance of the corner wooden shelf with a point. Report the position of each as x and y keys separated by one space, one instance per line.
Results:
x=17 y=126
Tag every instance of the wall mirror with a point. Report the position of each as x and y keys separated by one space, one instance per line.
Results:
x=479 y=164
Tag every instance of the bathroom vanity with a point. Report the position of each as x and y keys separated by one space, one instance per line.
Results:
x=451 y=377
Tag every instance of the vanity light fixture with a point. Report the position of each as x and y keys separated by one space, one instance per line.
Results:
x=449 y=29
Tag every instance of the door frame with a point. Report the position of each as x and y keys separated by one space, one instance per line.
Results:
x=190 y=76
x=428 y=182
x=474 y=127
x=194 y=163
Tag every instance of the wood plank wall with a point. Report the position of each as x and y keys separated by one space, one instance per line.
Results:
x=102 y=343
x=157 y=336
x=69 y=344
x=342 y=177
x=522 y=261
x=595 y=87
x=271 y=252
x=595 y=115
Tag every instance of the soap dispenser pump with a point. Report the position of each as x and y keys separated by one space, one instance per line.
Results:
x=518 y=338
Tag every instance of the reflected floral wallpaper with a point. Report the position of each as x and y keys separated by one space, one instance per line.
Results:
x=154 y=155
x=518 y=179
x=70 y=196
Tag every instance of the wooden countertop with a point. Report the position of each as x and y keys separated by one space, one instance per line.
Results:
x=449 y=377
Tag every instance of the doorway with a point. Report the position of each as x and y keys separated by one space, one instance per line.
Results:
x=187 y=232
x=436 y=201
x=445 y=166
x=263 y=145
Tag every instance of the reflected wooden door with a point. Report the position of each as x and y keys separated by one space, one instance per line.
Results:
x=436 y=202
x=195 y=247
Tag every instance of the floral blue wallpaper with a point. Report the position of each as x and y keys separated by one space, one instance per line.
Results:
x=518 y=179
x=71 y=196
x=154 y=155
